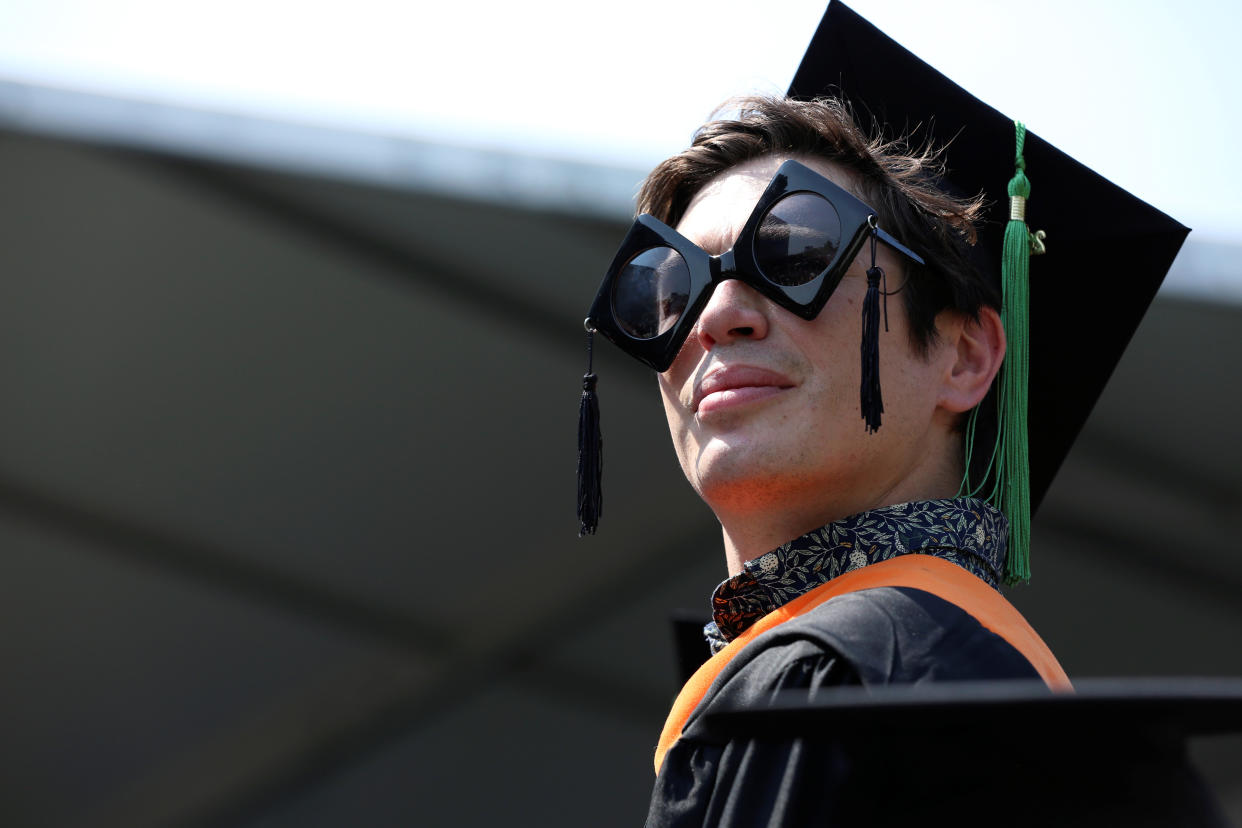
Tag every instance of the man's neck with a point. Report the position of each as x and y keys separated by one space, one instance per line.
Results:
x=749 y=535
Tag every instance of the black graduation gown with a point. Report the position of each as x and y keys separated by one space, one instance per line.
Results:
x=719 y=775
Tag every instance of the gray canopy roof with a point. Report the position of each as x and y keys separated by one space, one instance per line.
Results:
x=286 y=474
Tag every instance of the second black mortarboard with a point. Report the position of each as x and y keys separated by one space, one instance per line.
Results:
x=1114 y=752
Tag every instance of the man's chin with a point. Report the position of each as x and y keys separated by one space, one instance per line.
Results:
x=731 y=480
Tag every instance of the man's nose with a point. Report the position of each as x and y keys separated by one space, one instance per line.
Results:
x=734 y=311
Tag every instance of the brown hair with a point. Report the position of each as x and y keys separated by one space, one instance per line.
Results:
x=898 y=180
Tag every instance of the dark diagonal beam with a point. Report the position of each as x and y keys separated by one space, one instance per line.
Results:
x=495 y=297
x=215 y=566
x=512 y=653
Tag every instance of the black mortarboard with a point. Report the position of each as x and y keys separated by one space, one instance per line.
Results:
x=1012 y=753
x=1107 y=251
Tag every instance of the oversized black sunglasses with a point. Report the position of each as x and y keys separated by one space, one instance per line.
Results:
x=794 y=248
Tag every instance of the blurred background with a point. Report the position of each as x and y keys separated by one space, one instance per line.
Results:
x=290 y=343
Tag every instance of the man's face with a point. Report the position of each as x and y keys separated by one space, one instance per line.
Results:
x=763 y=406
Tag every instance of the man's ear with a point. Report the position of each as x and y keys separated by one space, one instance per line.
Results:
x=979 y=349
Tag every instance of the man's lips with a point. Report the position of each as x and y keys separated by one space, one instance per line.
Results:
x=736 y=385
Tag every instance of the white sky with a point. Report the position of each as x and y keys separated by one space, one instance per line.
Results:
x=1145 y=92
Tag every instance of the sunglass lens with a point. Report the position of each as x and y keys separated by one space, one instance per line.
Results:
x=797 y=239
x=649 y=293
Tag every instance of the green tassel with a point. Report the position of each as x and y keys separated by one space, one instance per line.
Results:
x=1011 y=490
x=1013 y=493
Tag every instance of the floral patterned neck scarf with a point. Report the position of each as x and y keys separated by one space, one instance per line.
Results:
x=964 y=531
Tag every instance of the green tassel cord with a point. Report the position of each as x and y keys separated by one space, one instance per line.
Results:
x=1011 y=493
x=1013 y=496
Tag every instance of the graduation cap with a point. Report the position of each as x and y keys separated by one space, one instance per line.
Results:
x=1111 y=753
x=1106 y=251
x=1068 y=314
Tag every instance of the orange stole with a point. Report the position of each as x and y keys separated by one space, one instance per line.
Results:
x=939 y=577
